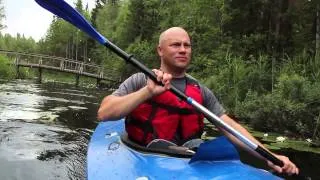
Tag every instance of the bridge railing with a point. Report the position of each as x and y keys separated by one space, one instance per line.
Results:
x=57 y=63
x=61 y=64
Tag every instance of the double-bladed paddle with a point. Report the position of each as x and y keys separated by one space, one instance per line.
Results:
x=68 y=13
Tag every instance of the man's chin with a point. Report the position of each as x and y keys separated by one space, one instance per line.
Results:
x=181 y=67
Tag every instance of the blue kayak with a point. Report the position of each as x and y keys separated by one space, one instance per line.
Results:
x=110 y=157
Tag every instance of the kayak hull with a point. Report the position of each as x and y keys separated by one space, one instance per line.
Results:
x=109 y=158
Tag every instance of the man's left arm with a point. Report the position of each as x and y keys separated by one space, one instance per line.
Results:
x=212 y=103
x=289 y=167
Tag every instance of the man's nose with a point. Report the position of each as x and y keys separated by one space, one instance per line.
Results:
x=183 y=48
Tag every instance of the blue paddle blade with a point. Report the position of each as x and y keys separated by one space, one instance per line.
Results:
x=68 y=13
x=219 y=149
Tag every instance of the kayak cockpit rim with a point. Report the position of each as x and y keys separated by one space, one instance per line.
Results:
x=172 y=152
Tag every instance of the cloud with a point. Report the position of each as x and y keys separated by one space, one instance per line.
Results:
x=28 y=18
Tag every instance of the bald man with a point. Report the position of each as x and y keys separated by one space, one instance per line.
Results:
x=152 y=112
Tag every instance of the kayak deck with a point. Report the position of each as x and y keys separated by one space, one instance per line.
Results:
x=109 y=158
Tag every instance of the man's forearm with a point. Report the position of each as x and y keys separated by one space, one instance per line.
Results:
x=116 y=107
x=244 y=132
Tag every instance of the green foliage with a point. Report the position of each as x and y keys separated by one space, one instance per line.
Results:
x=6 y=69
x=145 y=52
x=291 y=108
x=305 y=64
x=64 y=40
x=62 y=77
x=18 y=43
x=105 y=21
x=271 y=112
x=232 y=77
x=293 y=87
x=244 y=86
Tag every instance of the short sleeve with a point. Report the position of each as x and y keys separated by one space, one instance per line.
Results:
x=211 y=102
x=132 y=84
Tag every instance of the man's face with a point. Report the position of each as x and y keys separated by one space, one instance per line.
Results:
x=175 y=50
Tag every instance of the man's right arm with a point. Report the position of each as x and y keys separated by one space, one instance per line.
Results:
x=115 y=107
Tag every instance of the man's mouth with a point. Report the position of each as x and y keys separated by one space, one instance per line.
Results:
x=181 y=58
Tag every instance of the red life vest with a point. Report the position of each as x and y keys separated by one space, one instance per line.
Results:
x=166 y=117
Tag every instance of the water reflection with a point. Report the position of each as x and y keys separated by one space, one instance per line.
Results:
x=45 y=129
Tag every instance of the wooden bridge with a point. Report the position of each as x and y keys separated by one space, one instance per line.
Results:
x=54 y=63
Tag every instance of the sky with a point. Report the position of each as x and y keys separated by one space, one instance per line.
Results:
x=28 y=18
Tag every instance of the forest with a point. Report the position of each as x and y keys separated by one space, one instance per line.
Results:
x=260 y=58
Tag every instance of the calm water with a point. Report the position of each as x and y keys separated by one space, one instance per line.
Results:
x=45 y=129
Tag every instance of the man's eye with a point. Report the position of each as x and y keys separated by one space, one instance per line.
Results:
x=176 y=44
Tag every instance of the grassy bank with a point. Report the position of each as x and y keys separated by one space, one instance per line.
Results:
x=7 y=70
x=62 y=77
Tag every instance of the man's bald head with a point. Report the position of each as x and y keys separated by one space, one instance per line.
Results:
x=169 y=33
x=174 y=50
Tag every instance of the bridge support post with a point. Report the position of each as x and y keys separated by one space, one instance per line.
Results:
x=18 y=72
x=77 y=79
x=16 y=62
x=98 y=82
x=40 y=75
